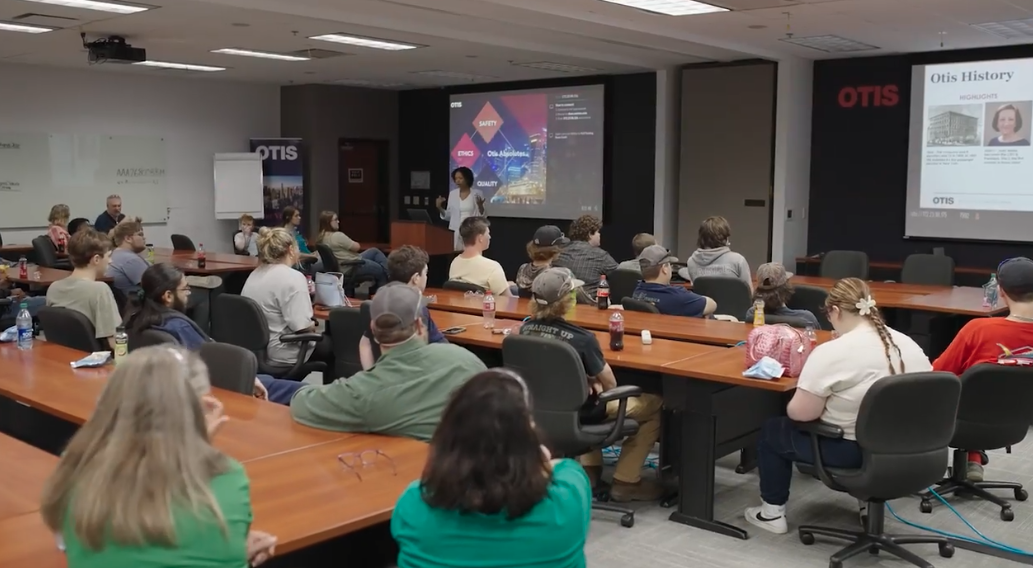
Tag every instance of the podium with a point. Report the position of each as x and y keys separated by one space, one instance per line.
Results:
x=429 y=237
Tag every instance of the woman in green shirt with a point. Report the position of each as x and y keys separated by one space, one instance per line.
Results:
x=140 y=485
x=491 y=496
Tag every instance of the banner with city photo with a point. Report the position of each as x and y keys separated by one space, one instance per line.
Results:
x=283 y=171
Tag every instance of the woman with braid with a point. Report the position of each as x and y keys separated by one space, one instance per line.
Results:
x=832 y=384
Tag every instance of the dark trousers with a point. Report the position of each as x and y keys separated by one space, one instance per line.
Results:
x=782 y=444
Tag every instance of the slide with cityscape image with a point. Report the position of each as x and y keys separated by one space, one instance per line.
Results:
x=533 y=153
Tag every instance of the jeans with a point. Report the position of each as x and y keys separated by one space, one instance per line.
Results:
x=33 y=303
x=782 y=444
x=374 y=264
x=280 y=390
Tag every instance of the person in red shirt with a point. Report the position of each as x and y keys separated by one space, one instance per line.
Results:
x=990 y=340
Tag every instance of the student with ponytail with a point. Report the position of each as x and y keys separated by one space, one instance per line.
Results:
x=832 y=385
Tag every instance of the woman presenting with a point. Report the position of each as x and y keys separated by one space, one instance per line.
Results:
x=463 y=202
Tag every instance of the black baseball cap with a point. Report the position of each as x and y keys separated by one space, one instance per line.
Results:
x=1015 y=276
x=550 y=236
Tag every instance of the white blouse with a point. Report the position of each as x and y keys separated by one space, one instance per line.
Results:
x=459 y=209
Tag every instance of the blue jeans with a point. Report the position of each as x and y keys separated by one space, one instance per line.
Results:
x=374 y=264
x=782 y=444
x=33 y=303
x=280 y=390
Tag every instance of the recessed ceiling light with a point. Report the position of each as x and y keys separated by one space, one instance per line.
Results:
x=180 y=66
x=454 y=75
x=4 y=26
x=365 y=83
x=560 y=67
x=369 y=42
x=262 y=54
x=1009 y=29
x=115 y=7
x=829 y=43
x=671 y=7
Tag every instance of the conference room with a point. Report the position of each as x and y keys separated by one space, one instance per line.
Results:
x=841 y=140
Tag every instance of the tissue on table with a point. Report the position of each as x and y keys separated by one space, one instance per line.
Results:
x=95 y=359
x=9 y=335
x=765 y=368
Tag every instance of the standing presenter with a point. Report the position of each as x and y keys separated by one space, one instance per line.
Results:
x=463 y=202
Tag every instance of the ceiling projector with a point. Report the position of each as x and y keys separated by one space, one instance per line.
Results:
x=113 y=49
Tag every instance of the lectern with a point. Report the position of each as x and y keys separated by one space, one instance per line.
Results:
x=431 y=238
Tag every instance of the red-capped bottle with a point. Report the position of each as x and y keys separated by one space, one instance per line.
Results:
x=201 y=257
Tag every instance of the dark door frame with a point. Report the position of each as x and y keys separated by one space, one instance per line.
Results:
x=383 y=197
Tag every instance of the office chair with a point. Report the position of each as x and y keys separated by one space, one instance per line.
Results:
x=555 y=376
x=150 y=338
x=812 y=299
x=995 y=411
x=903 y=452
x=623 y=282
x=230 y=367
x=346 y=328
x=182 y=242
x=461 y=286
x=633 y=305
x=71 y=329
x=7 y=321
x=46 y=254
x=733 y=296
x=839 y=264
x=121 y=299
x=349 y=269
x=931 y=269
x=792 y=321
x=239 y=321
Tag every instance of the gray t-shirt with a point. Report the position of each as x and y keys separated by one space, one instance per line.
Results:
x=126 y=269
x=633 y=265
x=282 y=294
x=91 y=299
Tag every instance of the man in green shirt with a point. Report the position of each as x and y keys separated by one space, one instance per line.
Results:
x=407 y=389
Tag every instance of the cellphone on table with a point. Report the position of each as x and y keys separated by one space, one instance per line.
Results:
x=453 y=330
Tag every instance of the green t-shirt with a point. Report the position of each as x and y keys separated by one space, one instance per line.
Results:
x=551 y=535
x=201 y=543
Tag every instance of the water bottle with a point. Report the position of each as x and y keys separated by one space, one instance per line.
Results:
x=23 y=268
x=150 y=253
x=758 y=312
x=201 y=260
x=311 y=285
x=24 y=324
x=812 y=336
x=602 y=294
x=990 y=292
x=488 y=310
x=121 y=344
x=616 y=332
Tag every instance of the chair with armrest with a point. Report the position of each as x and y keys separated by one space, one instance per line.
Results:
x=461 y=286
x=149 y=338
x=348 y=269
x=632 y=305
x=622 y=282
x=930 y=269
x=903 y=452
x=239 y=321
x=230 y=367
x=792 y=321
x=555 y=375
x=838 y=264
x=995 y=411
x=7 y=321
x=734 y=298
x=346 y=329
x=46 y=254
x=182 y=242
x=71 y=329
x=812 y=299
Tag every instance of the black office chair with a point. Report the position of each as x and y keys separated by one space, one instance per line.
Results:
x=461 y=286
x=633 y=305
x=903 y=452
x=7 y=321
x=733 y=296
x=149 y=338
x=995 y=412
x=931 y=269
x=346 y=328
x=349 y=269
x=792 y=321
x=71 y=329
x=230 y=367
x=556 y=378
x=239 y=321
x=812 y=299
x=182 y=242
x=121 y=299
x=46 y=254
x=623 y=282
x=839 y=264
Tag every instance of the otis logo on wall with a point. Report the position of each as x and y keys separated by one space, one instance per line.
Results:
x=869 y=96
x=283 y=172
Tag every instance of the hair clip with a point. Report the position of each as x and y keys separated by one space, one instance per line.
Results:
x=864 y=305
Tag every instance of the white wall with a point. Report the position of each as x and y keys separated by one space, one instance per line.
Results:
x=198 y=118
x=792 y=160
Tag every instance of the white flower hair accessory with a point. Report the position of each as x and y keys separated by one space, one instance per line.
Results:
x=864 y=305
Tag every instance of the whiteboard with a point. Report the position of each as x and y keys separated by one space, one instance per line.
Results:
x=238 y=185
x=38 y=171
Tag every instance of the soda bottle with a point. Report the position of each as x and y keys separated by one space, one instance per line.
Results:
x=616 y=332
x=990 y=292
x=201 y=260
x=121 y=344
x=488 y=310
x=602 y=294
x=24 y=323
x=758 y=312
x=61 y=243
x=23 y=268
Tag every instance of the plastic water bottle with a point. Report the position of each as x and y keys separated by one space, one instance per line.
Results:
x=758 y=312
x=812 y=336
x=201 y=259
x=616 y=332
x=121 y=344
x=991 y=292
x=150 y=253
x=24 y=324
x=602 y=294
x=488 y=310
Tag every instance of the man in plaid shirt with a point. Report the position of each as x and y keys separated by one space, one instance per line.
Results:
x=583 y=256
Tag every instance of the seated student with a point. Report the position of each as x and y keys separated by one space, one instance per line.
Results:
x=405 y=393
x=405 y=265
x=78 y=224
x=374 y=263
x=988 y=340
x=831 y=387
x=714 y=257
x=18 y=297
x=550 y=300
x=282 y=294
x=655 y=287
x=543 y=250
x=292 y=223
x=491 y=495
x=58 y=219
x=471 y=265
x=638 y=244
x=90 y=253
x=161 y=304
x=127 y=266
x=141 y=485
x=584 y=257
x=775 y=289
x=246 y=241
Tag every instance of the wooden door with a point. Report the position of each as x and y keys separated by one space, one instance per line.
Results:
x=363 y=189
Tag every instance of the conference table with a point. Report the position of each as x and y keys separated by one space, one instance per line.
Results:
x=47 y=276
x=958 y=300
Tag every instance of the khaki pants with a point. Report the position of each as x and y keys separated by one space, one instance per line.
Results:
x=644 y=409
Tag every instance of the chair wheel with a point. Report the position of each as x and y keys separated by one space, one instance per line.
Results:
x=926 y=507
x=628 y=520
x=1021 y=495
x=946 y=549
x=669 y=502
x=1007 y=515
x=835 y=564
x=874 y=550
x=807 y=538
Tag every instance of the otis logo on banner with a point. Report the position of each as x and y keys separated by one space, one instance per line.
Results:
x=869 y=96
x=284 y=176
x=277 y=152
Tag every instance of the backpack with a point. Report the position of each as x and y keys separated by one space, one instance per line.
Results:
x=787 y=345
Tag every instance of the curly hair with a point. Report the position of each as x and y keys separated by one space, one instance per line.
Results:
x=584 y=226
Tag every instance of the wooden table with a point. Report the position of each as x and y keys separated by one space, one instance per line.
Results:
x=966 y=301
x=15 y=249
x=25 y=470
x=897 y=265
x=25 y=542
x=162 y=254
x=189 y=266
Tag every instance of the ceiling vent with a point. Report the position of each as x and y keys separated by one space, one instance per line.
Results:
x=317 y=53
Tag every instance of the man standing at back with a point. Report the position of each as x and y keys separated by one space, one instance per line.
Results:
x=471 y=265
x=90 y=253
x=583 y=256
x=656 y=264
x=111 y=216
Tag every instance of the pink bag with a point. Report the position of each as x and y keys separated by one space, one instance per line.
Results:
x=787 y=345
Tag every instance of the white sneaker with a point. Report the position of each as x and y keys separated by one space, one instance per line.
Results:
x=776 y=524
x=862 y=512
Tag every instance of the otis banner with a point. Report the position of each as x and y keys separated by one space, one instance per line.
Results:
x=284 y=176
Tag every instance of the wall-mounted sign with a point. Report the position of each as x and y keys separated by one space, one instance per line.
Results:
x=869 y=96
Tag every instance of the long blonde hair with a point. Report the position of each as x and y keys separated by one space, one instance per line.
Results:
x=274 y=244
x=845 y=295
x=143 y=455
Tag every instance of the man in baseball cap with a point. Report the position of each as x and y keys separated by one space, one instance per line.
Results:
x=550 y=236
x=407 y=389
x=543 y=249
x=657 y=265
x=552 y=297
x=775 y=289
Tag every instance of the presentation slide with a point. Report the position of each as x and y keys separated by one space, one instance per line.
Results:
x=970 y=167
x=533 y=153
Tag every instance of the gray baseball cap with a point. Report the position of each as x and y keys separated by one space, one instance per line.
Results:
x=772 y=274
x=399 y=300
x=656 y=255
x=553 y=285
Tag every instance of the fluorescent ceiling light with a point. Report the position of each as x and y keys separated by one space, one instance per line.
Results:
x=560 y=67
x=369 y=42
x=1010 y=29
x=4 y=26
x=454 y=75
x=180 y=66
x=671 y=7
x=262 y=54
x=829 y=43
x=114 y=7
x=365 y=83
